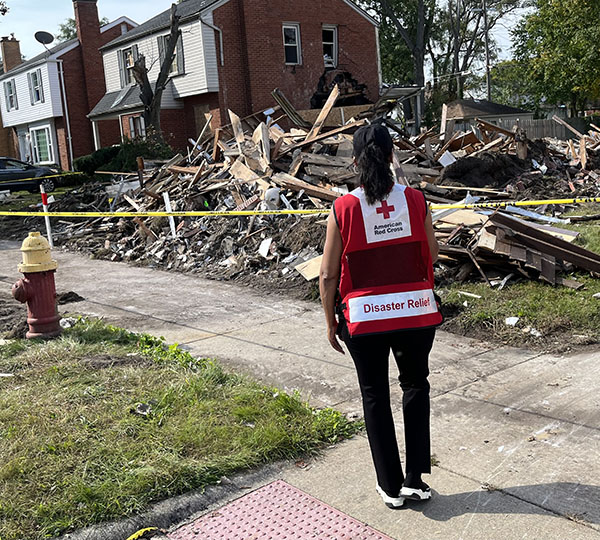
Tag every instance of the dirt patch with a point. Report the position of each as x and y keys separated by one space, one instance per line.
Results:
x=104 y=361
x=558 y=341
x=13 y=317
x=68 y=298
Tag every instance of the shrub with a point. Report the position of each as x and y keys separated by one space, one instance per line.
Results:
x=122 y=157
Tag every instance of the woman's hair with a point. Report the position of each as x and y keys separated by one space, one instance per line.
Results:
x=372 y=149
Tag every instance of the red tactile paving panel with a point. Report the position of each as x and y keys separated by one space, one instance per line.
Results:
x=277 y=511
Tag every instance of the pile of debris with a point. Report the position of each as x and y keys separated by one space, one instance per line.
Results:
x=255 y=164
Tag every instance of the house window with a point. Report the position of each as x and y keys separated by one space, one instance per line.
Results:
x=291 y=44
x=137 y=127
x=10 y=93
x=42 y=145
x=177 y=66
x=127 y=58
x=36 y=89
x=330 y=46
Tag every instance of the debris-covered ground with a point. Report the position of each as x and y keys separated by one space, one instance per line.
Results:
x=253 y=164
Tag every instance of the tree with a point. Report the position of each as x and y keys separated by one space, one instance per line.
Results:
x=68 y=29
x=411 y=22
x=560 y=44
x=3 y=8
x=152 y=99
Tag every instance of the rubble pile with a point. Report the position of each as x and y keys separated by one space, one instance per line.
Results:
x=254 y=164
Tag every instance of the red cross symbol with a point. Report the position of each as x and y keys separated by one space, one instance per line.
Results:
x=385 y=210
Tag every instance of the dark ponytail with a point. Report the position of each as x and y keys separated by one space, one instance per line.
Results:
x=374 y=172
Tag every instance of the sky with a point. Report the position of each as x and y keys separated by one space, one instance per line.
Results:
x=26 y=17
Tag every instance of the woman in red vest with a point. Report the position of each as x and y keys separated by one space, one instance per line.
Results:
x=377 y=276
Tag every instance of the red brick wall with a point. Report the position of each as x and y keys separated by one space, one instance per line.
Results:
x=212 y=102
x=234 y=91
x=78 y=102
x=173 y=126
x=262 y=54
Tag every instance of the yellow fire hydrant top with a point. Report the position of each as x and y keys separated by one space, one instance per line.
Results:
x=36 y=255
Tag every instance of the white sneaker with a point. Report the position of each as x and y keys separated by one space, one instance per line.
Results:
x=416 y=494
x=390 y=502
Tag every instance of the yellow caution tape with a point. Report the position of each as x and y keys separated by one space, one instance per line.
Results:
x=140 y=534
x=169 y=214
x=234 y=213
x=39 y=177
x=502 y=204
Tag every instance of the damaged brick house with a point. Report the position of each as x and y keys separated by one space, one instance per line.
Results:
x=233 y=53
x=45 y=100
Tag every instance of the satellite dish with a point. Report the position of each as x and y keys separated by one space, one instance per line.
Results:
x=45 y=38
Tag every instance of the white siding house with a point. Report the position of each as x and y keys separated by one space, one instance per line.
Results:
x=194 y=71
x=31 y=98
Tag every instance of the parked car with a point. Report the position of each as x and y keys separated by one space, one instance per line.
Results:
x=16 y=175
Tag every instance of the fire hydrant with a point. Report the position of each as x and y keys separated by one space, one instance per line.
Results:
x=37 y=287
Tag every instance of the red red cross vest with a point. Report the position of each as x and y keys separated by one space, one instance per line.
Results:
x=386 y=280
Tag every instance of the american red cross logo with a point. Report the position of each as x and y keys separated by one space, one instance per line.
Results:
x=385 y=210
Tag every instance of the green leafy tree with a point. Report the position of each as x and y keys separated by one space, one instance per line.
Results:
x=559 y=43
x=68 y=29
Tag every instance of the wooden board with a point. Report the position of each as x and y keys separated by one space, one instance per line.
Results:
x=310 y=269
x=464 y=217
x=320 y=121
x=289 y=182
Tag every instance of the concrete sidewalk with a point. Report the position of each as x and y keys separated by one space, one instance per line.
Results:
x=515 y=433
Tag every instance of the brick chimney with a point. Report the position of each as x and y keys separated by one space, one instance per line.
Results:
x=11 y=52
x=88 y=32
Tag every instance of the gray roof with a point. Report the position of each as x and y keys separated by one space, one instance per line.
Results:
x=116 y=102
x=186 y=10
x=471 y=108
x=39 y=59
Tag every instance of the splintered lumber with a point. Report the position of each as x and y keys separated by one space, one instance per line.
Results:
x=320 y=122
x=289 y=182
x=183 y=170
x=583 y=154
x=488 y=146
x=546 y=243
x=487 y=126
x=239 y=171
x=323 y=136
x=238 y=131
x=567 y=125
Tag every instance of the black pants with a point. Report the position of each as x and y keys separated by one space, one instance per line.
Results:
x=411 y=351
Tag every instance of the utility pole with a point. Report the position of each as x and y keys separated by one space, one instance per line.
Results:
x=488 y=81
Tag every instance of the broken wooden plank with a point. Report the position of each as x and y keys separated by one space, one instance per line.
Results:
x=310 y=269
x=289 y=182
x=320 y=122
x=239 y=171
x=548 y=244
x=323 y=136
x=492 y=127
x=488 y=146
x=567 y=125
x=238 y=131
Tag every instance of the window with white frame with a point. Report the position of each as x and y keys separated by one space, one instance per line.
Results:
x=41 y=140
x=291 y=44
x=330 y=46
x=137 y=127
x=36 y=89
x=127 y=58
x=177 y=66
x=10 y=94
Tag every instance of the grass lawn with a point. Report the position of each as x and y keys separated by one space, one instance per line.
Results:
x=563 y=316
x=101 y=422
